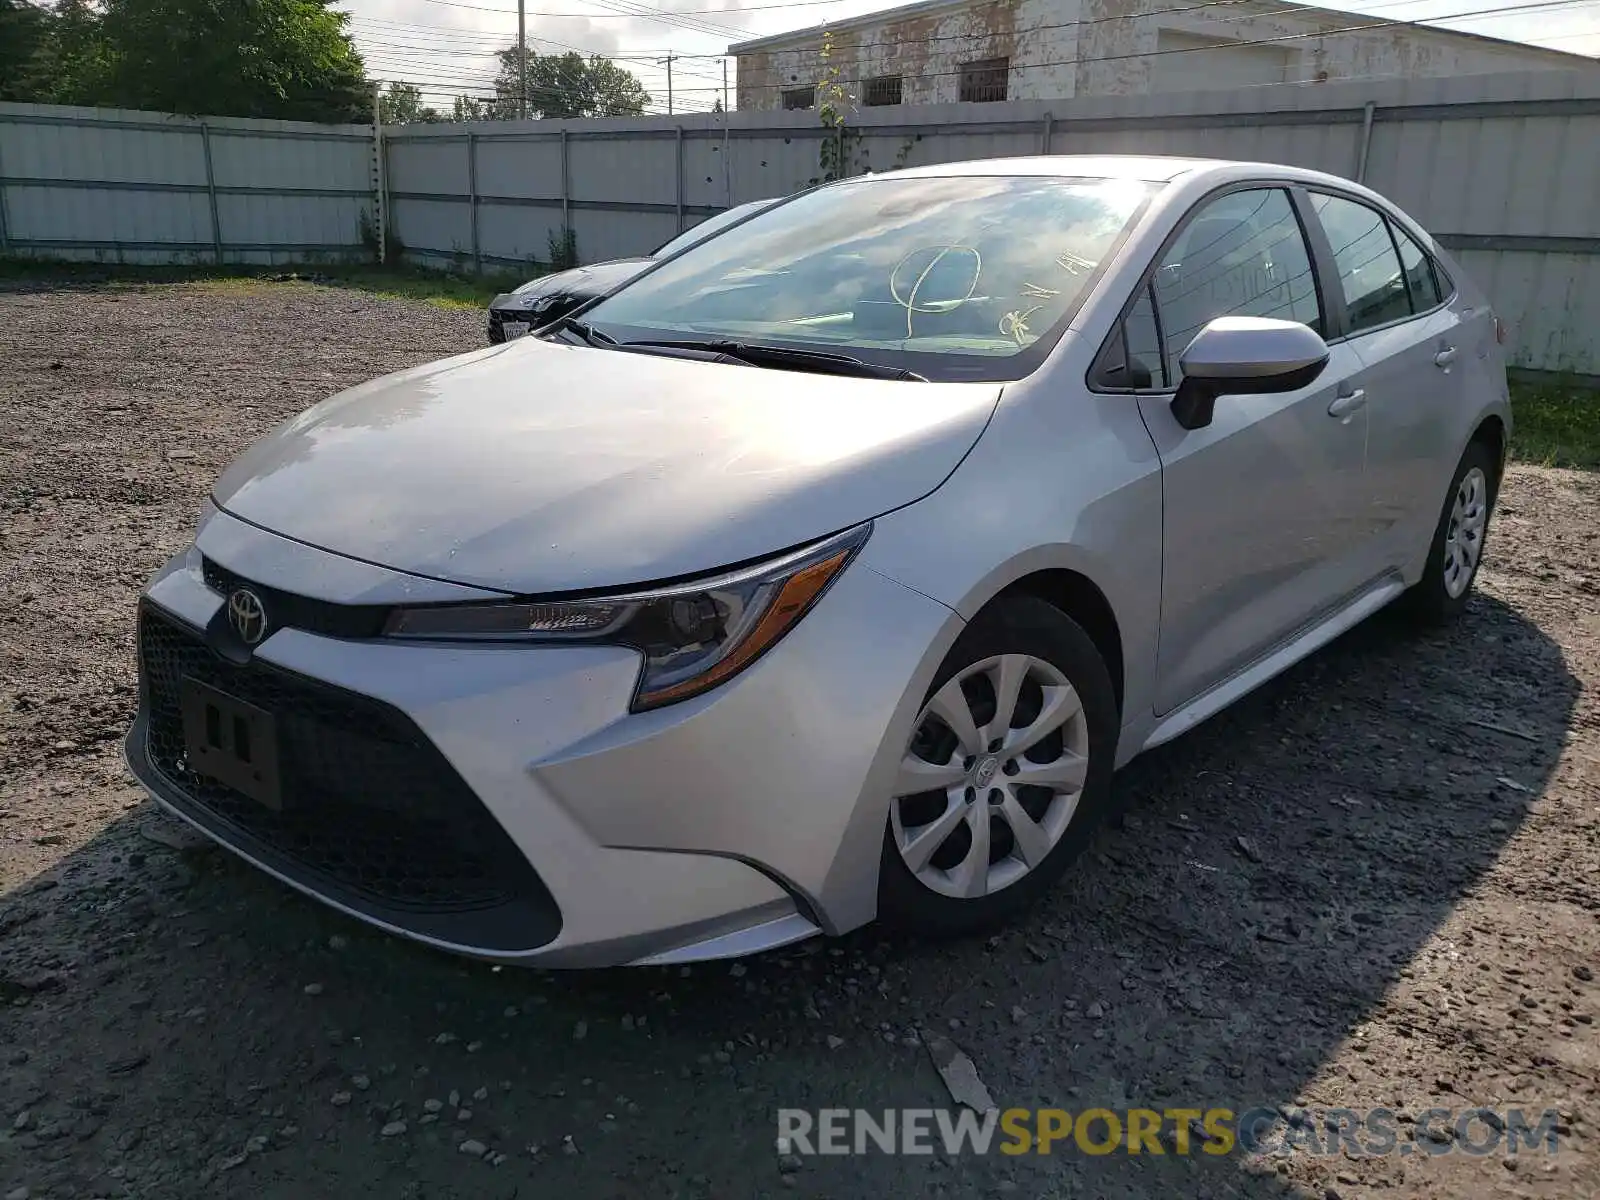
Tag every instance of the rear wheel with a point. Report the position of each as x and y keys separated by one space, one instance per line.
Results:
x=1009 y=766
x=1457 y=549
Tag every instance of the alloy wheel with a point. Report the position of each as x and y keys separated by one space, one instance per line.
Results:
x=1469 y=517
x=993 y=776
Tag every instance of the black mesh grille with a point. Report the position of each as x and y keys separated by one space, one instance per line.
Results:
x=287 y=610
x=371 y=809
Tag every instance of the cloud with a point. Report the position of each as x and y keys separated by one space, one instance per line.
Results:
x=592 y=37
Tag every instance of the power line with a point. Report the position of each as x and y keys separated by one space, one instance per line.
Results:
x=397 y=44
x=401 y=50
x=385 y=28
x=657 y=14
x=389 y=48
x=691 y=12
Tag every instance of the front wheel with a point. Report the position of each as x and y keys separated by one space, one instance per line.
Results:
x=1009 y=766
x=1458 y=540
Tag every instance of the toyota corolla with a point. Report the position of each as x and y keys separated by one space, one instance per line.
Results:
x=826 y=571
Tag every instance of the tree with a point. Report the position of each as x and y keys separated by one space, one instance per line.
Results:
x=51 y=55
x=289 y=59
x=402 y=105
x=567 y=85
x=25 y=48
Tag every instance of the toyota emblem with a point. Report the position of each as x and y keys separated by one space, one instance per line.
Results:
x=985 y=772
x=247 y=615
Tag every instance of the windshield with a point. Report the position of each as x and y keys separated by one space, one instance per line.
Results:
x=706 y=228
x=954 y=277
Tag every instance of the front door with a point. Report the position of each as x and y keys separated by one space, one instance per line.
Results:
x=1263 y=509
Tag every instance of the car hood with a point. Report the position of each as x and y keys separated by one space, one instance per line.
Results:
x=600 y=279
x=539 y=467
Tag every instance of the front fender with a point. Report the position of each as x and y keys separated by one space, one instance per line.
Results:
x=1015 y=507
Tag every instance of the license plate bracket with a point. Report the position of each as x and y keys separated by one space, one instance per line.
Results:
x=231 y=741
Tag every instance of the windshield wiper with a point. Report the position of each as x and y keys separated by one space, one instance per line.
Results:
x=584 y=330
x=822 y=361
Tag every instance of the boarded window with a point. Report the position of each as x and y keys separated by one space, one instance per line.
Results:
x=985 y=80
x=805 y=97
x=1193 y=62
x=885 y=89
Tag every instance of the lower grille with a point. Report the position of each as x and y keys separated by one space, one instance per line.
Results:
x=373 y=816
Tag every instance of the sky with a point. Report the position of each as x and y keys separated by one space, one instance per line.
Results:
x=447 y=46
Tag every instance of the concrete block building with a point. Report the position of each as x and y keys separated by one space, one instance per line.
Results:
x=939 y=51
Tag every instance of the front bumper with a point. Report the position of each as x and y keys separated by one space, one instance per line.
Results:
x=500 y=801
x=516 y=311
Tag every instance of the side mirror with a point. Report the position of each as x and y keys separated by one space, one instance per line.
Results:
x=1244 y=355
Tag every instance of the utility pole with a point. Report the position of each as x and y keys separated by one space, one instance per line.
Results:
x=669 y=83
x=522 y=59
x=726 y=107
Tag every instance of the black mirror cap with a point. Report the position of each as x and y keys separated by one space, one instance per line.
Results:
x=1194 y=406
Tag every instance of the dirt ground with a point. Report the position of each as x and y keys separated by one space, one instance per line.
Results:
x=1412 y=919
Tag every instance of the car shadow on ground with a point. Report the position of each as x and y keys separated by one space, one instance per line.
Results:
x=1267 y=881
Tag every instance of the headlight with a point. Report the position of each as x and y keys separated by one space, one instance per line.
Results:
x=693 y=636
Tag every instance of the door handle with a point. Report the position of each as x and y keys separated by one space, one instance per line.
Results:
x=1444 y=358
x=1348 y=402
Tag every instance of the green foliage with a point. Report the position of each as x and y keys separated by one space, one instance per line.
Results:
x=563 y=245
x=842 y=151
x=51 y=55
x=566 y=85
x=1555 y=423
x=25 y=49
x=286 y=59
x=402 y=105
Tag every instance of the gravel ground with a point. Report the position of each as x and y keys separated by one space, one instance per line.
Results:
x=1373 y=883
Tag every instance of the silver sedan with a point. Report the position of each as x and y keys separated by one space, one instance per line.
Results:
x=828 y=570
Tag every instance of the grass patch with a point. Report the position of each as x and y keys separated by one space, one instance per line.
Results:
x=439 y=288
x=1555 y=424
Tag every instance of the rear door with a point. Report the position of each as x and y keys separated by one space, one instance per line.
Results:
x=1409 y=338
x=1261 y=507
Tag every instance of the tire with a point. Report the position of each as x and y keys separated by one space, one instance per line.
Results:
x=943 y=896
x=1446 y=584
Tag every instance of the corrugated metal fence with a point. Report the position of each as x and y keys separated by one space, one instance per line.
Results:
x=1504 y=169
x=121 y=186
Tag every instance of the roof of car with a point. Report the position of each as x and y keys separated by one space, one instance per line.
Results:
x=1156 y=167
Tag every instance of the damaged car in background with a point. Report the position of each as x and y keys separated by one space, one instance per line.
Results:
x=550 y=297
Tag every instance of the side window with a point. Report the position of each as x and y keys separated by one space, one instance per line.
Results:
x=1131 y=357
x=1447 y=286
x=1418 y=270
x=1241 y=254
x=1370 y=277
